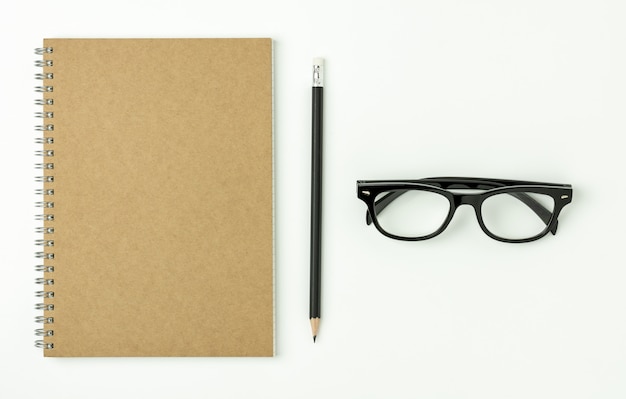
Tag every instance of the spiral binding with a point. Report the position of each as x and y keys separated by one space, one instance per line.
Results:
x=47 y=205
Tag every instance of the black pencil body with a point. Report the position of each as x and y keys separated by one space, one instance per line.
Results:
x=316 y=204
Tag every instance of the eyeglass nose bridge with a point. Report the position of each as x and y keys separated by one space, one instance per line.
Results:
x=473 y=200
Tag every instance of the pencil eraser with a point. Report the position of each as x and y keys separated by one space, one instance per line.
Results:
x=318 y=61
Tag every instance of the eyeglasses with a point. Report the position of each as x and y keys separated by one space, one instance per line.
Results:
x=507 y=210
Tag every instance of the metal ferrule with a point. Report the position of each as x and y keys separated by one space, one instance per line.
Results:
x=318 y=75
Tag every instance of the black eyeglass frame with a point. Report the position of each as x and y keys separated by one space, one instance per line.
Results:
x=368 y=190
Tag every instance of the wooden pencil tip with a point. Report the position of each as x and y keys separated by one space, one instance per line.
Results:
x=315 y=326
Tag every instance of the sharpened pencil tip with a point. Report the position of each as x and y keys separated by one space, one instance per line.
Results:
x=315 y=326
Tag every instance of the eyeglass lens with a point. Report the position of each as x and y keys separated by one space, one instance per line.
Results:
x=509 y=216
x=413 y=213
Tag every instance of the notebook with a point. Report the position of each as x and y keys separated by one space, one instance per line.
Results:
x=157 y=209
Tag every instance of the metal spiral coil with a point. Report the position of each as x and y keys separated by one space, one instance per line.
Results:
x=44 y=115
x=43 y=76
x=44 y=179
x=44 y=128
x=44 y=140
x=44 y=191
x=47 y=244
x=43 y=50
x=44 y=166
x=44 y=101
x=43 y=332
x=44 y=269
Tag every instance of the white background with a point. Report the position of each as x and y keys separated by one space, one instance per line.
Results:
x=531 y=90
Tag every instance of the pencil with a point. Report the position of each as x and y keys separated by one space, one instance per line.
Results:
x=316 y=197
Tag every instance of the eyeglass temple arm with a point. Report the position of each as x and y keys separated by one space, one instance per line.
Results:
x=382 y=203
x=544 y=214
